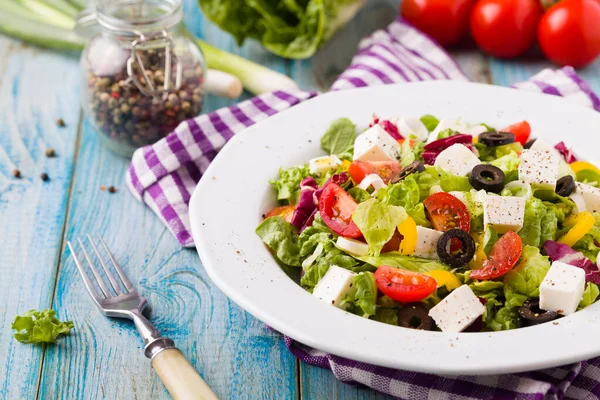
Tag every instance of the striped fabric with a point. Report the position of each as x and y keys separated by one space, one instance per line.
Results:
x=164 y=175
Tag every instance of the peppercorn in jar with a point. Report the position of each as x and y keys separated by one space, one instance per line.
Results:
x=143 y=75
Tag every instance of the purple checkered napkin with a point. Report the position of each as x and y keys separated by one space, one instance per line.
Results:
x=164 y=175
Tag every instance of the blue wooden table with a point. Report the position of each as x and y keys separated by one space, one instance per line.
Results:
x=236 y=354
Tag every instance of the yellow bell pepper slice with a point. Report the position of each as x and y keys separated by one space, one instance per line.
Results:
x=475 y=139
x=581 y=165
x=345 y=165
x=581 y=224
x=408 y=230
x=444 y=278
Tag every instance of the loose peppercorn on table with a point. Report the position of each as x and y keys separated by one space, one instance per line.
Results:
x=83 y=191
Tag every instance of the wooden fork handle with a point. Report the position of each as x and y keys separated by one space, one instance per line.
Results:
x=179 y=377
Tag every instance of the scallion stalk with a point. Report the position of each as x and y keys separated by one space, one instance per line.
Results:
x=47 y=11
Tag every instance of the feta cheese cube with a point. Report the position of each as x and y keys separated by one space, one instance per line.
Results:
x=579 y=201
x=443 y=125
x=462 y=196
x=562 y=288
x=352 y=246
x=504 y=213
x=476 y=130
x=334 y=285
x=457 y=159
x=540 y=168
x=376 y=145
x=374 y=181
x=590 y=195
x=427 y=242
x=540 y=145
x=322 y=165
x=458 y=310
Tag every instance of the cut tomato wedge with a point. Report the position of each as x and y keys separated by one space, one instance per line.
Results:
x=521 y=130
x=385 y=169
x=336 y=207
x=446 y=212
x=504 y=256
x=285 y=212
x=402 y=285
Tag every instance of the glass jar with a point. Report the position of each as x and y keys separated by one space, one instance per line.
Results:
x=142 y=72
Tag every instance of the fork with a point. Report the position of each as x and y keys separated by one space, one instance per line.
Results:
x=179 y=377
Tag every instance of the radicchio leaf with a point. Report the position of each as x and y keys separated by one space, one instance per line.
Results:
x=306 y=202
x=564 y=253
x=566 y=152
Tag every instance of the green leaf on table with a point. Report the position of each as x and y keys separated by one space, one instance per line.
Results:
x=339 y=137
x=40 y=327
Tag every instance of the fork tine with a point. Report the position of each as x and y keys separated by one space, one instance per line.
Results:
x=109 y=274
x=86 y=280
x=99 y=280
x=118 y=268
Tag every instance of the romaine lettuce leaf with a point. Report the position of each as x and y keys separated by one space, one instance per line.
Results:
x=410 y=153
x=363 y=298
x=288 y=183
x=523 y=281
x=590 y=294
x=282 y=238
x=40 y=327
x=531 y=232
x=377 y=222
x=395 y=259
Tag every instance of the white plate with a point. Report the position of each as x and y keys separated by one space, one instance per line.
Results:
x=227 y=205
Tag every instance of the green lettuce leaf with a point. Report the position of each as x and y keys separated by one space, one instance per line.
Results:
x=590 y=294
x=288 y=183
x=488 y=154
x=509 y=164
x=377 y=222
x=387 y=315
x=395 y=259
x=587 y=244
x=417 y=213
x=410 y=153
x=588 y=176
x=447 y=133
x=448 y=181
x=531 y=233
x=339 y=137
x=405 y=193
x=523 y=281
x=363 y=298
x=359 y=195
x=282 y=238
x=40 y=327
x=506 y=318
x=430 y=122
x=490 y=238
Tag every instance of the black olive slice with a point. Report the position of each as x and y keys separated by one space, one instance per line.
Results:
x=461 y=257
x=531 y=313
x=493 y=139
x=415 y=316
x=529 y=144
x=415 y=166
x=487 y=177
x=565 y=186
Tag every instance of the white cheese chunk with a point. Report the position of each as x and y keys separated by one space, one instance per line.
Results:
x=476 y=130
x=446 y=124
x=374 y=181
x=562 y=288
x=579 y=201
x=564 y=168
x=462 y=196
x=322 y=165
x=334 y=285
x=435 y=189
x=540 y=168
x=352 y=246
x=540 y=145
x=412 y=128
x=376 y=144
x=427 y=242
x=457 y=159
x=504 y=213
x=590 y=195
x=458 y=310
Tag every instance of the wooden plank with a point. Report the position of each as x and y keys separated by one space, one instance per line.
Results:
x=236 y=354
x=34 y=92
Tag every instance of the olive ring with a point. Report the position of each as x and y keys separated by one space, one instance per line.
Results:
x=415 y=316
x=487 y=177
x=467 y=251
x=415 y=166
x=565 y=186
x=493 y=139
x=531 y=313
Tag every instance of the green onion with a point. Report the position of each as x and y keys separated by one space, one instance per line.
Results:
x=50 y=26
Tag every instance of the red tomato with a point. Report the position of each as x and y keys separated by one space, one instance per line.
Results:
x=505 y=28
x=336 y=207
x=505 y=254
x=446 y=212
x=402 y=285
x=569 y=32
x=521 y=130
x=447 y=21
x=385 y=169
x=284 y=212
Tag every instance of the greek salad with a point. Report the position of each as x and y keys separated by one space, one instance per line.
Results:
x=441 y=225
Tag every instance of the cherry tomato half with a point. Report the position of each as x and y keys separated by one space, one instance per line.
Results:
x=504 y=255
x=569 y=32
x=385 y=169
x=505 y=28
x=336 y=207
x=447 y=21
x=521 y=130
x=285 y=212
x=402 y=285
x=446 y=212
